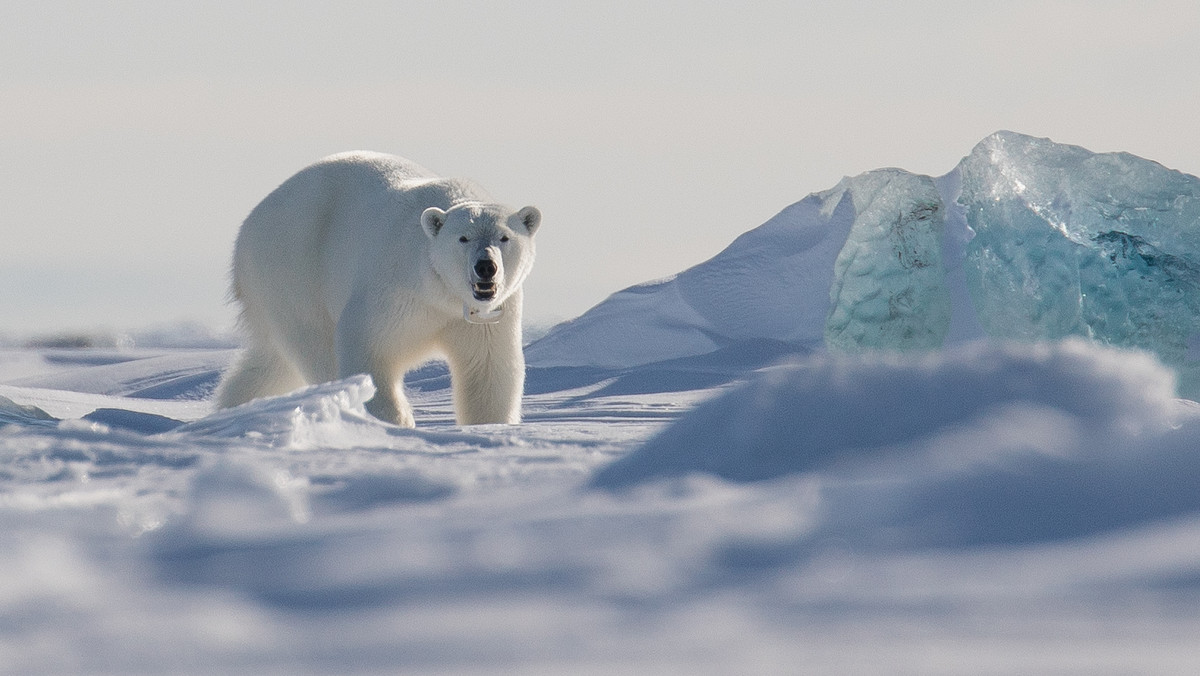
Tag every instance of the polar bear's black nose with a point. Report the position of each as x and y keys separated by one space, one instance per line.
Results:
x=485 y=268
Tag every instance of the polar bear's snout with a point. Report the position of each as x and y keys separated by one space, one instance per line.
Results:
x=484 y=274
x=485 y=269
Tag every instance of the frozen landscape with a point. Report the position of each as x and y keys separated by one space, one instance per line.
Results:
x=912 y=424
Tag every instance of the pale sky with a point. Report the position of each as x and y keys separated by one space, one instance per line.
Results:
x=135 y=136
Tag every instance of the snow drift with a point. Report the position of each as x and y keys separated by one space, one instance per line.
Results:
x=963 y=494
x=984 y=443
x=1061 y=399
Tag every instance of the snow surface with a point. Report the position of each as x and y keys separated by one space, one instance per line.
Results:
x=699 y=488
x=989 y=509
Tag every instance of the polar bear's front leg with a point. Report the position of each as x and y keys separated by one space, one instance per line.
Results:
x=487 y=374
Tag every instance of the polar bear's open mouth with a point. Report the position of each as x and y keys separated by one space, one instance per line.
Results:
x=483 y=290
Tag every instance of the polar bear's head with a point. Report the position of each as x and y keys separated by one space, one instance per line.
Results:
x=482 y=252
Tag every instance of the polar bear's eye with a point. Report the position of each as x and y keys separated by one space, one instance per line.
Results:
x=463 y=239
x=504 y=238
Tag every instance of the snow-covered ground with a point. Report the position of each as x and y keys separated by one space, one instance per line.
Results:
x=988 y=509
x=699 y=486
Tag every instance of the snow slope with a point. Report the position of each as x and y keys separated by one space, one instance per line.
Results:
x=779 y=281
x=772 y=282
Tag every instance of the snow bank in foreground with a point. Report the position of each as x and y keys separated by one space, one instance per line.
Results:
x=983 y=443
x=805 y=416
x=988 y=510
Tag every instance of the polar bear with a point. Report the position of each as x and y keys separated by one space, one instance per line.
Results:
x=369 y=263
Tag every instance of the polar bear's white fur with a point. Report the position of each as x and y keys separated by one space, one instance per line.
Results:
x=368 y=263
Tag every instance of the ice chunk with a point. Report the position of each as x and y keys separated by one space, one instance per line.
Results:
x=1071 y=242
x=889 y=284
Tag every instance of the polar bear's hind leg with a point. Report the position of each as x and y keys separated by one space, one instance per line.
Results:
x=260 y=371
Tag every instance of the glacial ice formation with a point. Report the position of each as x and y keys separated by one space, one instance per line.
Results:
x=1070 y=242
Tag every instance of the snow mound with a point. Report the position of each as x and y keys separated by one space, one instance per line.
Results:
x=12 y=413
x=1069 y=398
x=330 y=415
x=134 y=421
x=762 y=286
x=979 y=446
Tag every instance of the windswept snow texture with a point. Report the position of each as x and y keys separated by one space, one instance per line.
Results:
x=1025 y=240
x=771 y=283
x=988 y=509
x=839 y=412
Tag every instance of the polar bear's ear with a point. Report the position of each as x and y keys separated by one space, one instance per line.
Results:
x=432 y=220
x=531 y=218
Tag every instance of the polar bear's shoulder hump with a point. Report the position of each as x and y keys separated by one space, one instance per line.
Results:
x=382 y=163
